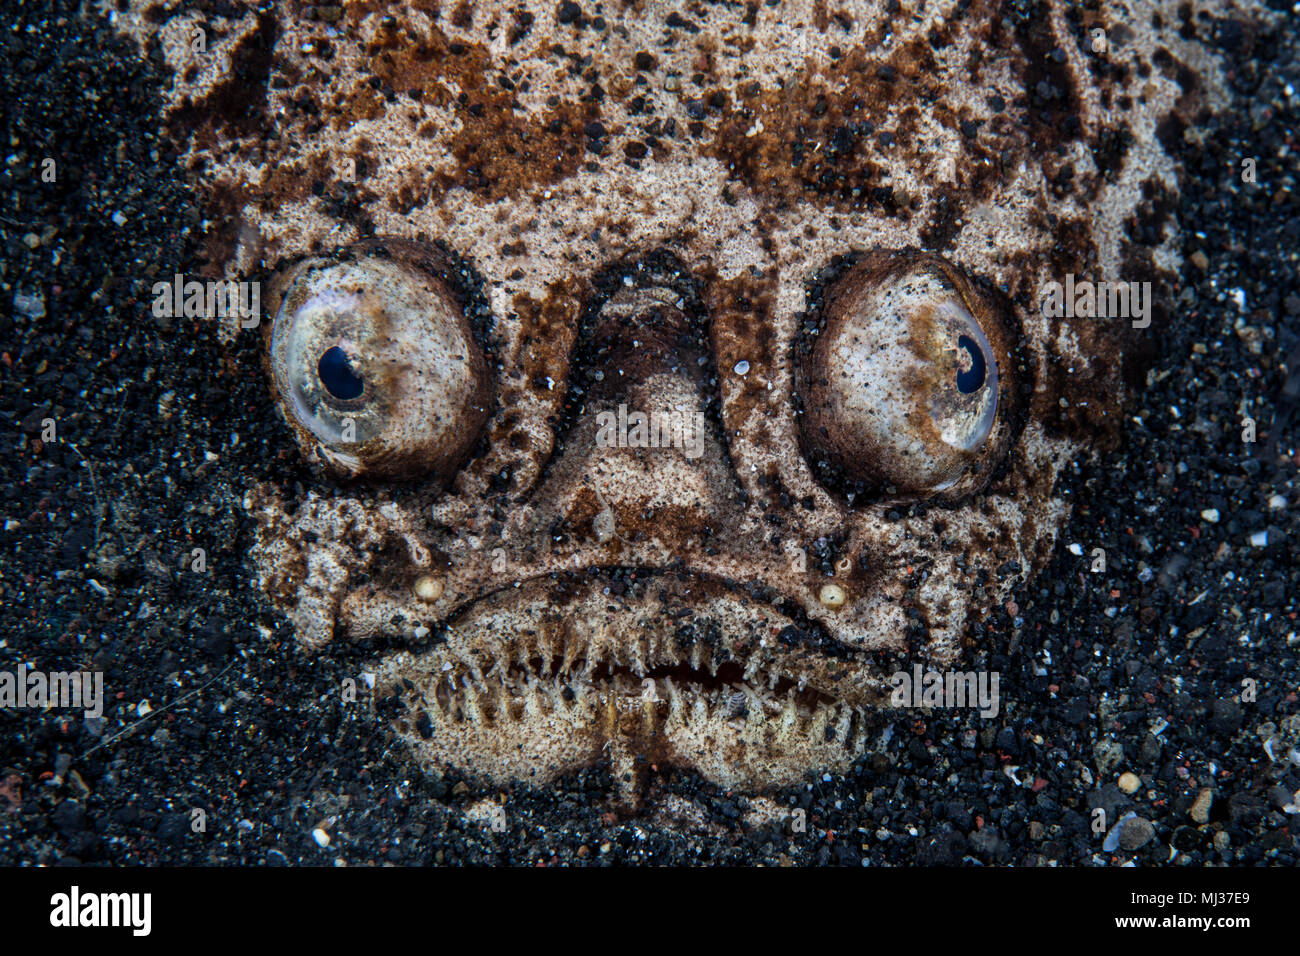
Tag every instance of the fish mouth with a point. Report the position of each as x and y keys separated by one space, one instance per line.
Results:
x=671 y=670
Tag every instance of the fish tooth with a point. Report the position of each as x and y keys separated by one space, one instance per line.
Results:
x=672 y=654
x=580 y=689
x=817 y=726
x=674 y=698
x=649 y=703
x=555 y=690
x=473 y=711
x=475 y=673
x=789 y=718
x=532 y=699
x=450 y=684
x=500 y=648
x=573 y=644
x=598 y=647
x=842 y=727
x=546 y=649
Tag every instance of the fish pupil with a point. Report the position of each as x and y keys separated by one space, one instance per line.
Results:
x=336 y=375
x=971 y=379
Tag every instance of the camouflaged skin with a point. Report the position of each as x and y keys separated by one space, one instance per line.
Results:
x=717 y=168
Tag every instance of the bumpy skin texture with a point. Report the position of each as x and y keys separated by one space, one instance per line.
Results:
x=562 y=603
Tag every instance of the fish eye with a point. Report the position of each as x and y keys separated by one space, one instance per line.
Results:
x=901 y=378
x=375 y=364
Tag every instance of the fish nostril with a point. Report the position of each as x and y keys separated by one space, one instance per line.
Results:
x=643 y=342
x=636 y=336
x=641 y=415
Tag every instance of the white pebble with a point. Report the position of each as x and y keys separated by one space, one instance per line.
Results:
x=321 y=837
x=1111 y=842
x=1211 y=515
x=1277 y=502
x=1260 y=539
x=32 y=306
x=742 y=367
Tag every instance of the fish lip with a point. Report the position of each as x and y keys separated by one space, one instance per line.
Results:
x=583 y=582
x=806 y=658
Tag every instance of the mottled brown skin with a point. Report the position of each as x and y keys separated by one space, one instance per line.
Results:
x=758 y=146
